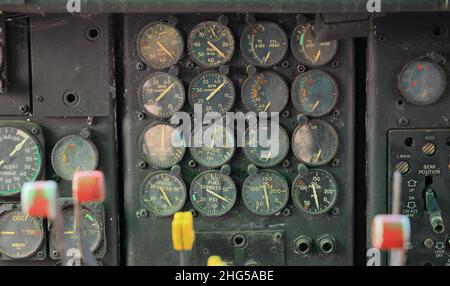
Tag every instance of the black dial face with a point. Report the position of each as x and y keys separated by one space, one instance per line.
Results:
x=314 y=93
x=72 y=154
x=264 y=44
x=162 y=94
x=265 y=193
x=163 y=193
x=422 y=82
x=265 y=92
x=306 y=49
x=315 y=143
x=160 y=45
x=20 y=159
x=162 y=145
x=21 y=236
x=213 y=193
x=215 y=145
x=266 y=145
x=314 y=193
x=211 y=44
x=213 y=91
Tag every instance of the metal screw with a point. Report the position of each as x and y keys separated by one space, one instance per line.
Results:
x=428 y=243
x=277 y=236
x=140 y=116
x=403 y=121
x=286 y=164
x=336 y=112
x=39 y=98
x=335 y=162
x=335 y=64
x=301 y=68
x=286 y=212
x=35 y=131
x=285 y=64
x=192 y=164
x=140 y=66
x=142 y=165
x=23 y=108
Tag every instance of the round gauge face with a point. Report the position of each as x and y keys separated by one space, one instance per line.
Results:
x=315 y=143
x=306 y=49
x=21 y=236
x=265 y=193
x=315 y=193
x=265 y=92
x=162 y=145
x=211 y=44
x=266 y=145
x=213 y=91
x=314 y=93
x=422 y=82
x=213 y=193
x=90 y=227
x=72 y=154
x=162 y=94
x=264 y=44
x=20 y=159
x=163 y=193
x=160 y=45
x=215 y=145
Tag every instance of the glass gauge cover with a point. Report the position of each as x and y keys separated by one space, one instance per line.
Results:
x=264 y=44
x=72 y=154
x=422 y=82
x=213 y=90
x=315 y=192
x=265 y=193
x=213 y=193
x=21 y=236
x=315 y=143
x=264 y=149
x=215 y=145
x=160 y=45
x=211 y=44
x=163 y=193
x=162 y=94
x=314 y=93
x=162 y=145
x=307 y=51
x=20 y=159
x=265 y=92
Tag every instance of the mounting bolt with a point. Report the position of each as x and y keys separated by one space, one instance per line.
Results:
x=140 y=116
x=142 y=165
x=23 y=108
x=140 y=66
x=403 y=121
x=35 y=131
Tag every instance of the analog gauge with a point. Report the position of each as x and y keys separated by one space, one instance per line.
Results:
x=314 y=93
x=422 y=82
x=265 y=193
x=72 y=154
x=20 y=159
x=266 y=145
x=265 y=92
x=307 y=50
x=315 y=192
x=213 y=91
x=163 y=193
x=90 y=227
x=162 y=94
x=211 y=44
x=264 y=44
x=315 y=143
x=213 y=193
x=212 y=147
x=21 y=236
x=160 y=45
x=162 y=145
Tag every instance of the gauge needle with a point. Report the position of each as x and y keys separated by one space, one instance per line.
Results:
x=212 y=31
x=215 y=91
x=164 y=49
x=315 y=105
x=305 y=92
x=217 y=195
x=164 y=92
x=317 y=57
x=267 y=106
x=18 y=147
x=216 y=49
x=165 y=197
x=316 y=199
x=317 y=156
x=266 y=57
x=69 y=232
x=7 y=233
x=266 y=197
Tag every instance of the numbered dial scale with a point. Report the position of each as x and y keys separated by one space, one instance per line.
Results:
x=20 y=159
x=315 y=192
x=162 y=94
x=213 y=193
x=265 y=193
x=163 y=193
x=21 y=236
x=315 y=143
x=160 y=45
x=306 y=49
x=264 y=44
x=211 y=44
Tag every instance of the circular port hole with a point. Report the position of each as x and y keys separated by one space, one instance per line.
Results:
x=438 y=228
x=327 y=247
x=93 y=34
x=438 y=32
x=71 y=98
x=409 y=142
x=239 y=241
x=303 y=247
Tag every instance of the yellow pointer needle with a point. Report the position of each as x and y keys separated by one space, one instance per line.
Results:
x=317 y=57
x=69 y=232
x=165 y=197
x=267 y=106
x=216 y=49
x=315 y=158
x=316 y=199
x=164 y=92
x=315 y=105
x=266 y=57
x=7 y=233
x=215 y=91
x=164 y=49
x=266 y=197
x=217 y=195
x=305 y=92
